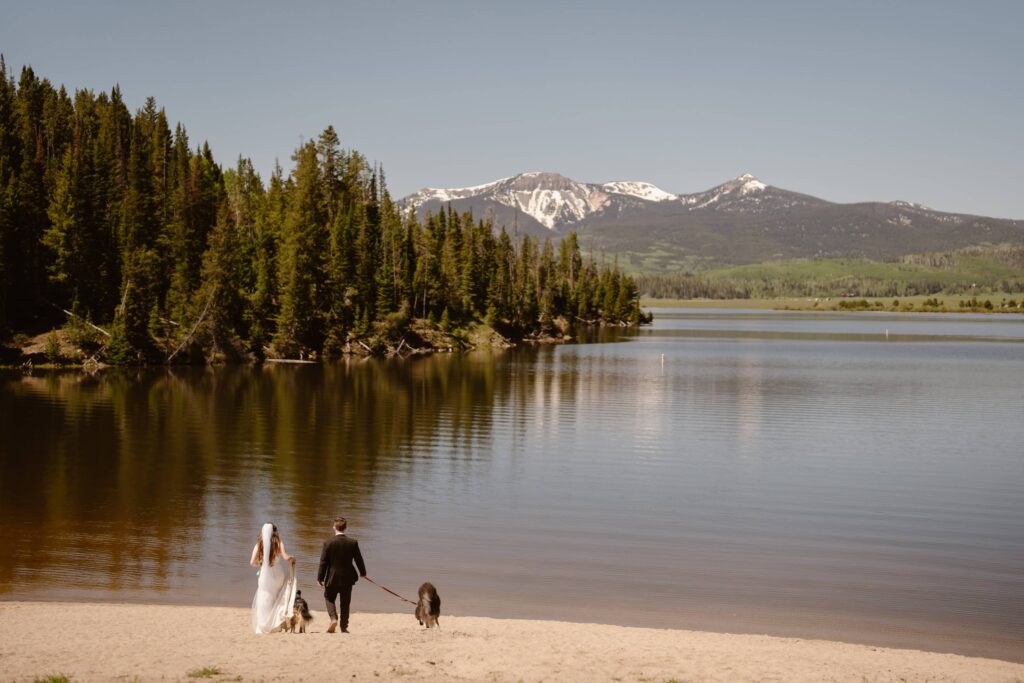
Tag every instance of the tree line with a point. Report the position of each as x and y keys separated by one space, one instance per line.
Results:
x=700 y=286
x=970 y=270
x=114 y=218
x=708 y=286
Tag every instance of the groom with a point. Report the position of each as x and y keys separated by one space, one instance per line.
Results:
x=337 y=575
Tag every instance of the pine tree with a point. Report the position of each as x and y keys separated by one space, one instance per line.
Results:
x=451 y=271
x=60 y=237
x=340 y=276
x=426 y=273
x=526 y=313
x=329 y=153
x=500 y=307
x=217 y=306
x=141 y=279
x=4 y=232
x=108 y=186
x=260 y=307
x=546 y=283
x=7 y=159
x=570 y=266
x=387 y=282
x=299 y=328
x=93 y=268
x=28 y=219
x=367 y=252
x=180 y=228
x=131 y=342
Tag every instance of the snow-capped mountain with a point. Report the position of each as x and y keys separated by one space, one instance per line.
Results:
x=740 y=221
x=558 y=203
x=727 y=192
x=550 y=199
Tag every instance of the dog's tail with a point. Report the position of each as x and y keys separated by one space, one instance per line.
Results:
x=305 y=612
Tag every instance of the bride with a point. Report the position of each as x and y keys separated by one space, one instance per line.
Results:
x=275 y=589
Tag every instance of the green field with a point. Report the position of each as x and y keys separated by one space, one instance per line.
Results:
x=985 y=272
x=967 y=270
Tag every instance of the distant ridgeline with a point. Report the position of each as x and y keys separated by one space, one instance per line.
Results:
x=115 y=218
x=970 y=271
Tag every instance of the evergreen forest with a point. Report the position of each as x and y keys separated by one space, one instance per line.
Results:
x=114 y=223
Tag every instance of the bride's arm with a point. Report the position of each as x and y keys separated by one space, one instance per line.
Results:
x=285 y=555
x=252 y=560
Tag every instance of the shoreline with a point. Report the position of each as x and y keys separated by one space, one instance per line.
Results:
x=55 y=349
x=918 y=303
x=130 y=641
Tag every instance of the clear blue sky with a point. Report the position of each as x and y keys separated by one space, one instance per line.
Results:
x=850 y=100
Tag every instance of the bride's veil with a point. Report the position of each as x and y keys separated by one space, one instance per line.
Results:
x=268 y=532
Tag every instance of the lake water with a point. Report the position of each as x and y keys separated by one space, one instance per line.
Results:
x=785 y=473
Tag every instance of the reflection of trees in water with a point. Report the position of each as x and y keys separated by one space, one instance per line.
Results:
x=82 y=488
x=107 y=482
x=343 y=428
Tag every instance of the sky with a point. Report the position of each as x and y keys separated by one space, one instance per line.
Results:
x=849 y=101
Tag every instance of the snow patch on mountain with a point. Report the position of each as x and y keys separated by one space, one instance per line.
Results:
x=738 y=188
x=551 y=207
x=445 y=195
x=549 y=198
x=750 y=184
x=640 y=190
x=911 y=205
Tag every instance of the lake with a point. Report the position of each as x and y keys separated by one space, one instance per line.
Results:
x=823 y=475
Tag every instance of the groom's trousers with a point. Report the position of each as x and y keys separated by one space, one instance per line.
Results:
x=343 y=594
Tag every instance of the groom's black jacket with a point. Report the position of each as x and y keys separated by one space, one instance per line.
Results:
x=336 y=560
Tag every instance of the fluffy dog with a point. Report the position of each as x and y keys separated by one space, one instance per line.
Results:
x=428 y=609
x=300 y=615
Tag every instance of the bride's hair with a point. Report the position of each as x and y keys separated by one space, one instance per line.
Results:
x=275 y=547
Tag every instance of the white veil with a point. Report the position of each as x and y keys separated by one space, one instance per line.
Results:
x=275 y=589
x=267 y=534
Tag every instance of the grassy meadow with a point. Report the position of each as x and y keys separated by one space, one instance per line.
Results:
x=984 y=278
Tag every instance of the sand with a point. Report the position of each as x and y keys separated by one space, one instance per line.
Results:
x=130 y=642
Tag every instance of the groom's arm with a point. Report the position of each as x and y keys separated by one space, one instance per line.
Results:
x=321 y=573
x=358 y=557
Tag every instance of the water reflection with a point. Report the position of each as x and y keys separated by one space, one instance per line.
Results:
x=113 y=482
x=762 y=478
x=748 y=403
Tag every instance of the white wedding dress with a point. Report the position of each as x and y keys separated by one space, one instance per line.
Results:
x=275 y=590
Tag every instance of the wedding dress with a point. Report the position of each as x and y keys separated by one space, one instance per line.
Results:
x=275 y=590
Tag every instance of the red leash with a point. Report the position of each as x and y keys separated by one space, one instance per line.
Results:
x=389 y=590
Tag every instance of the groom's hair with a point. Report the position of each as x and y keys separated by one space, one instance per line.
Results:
x=340 y=524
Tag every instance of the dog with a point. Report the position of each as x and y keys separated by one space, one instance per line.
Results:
x=428 y=609
x=300 y=615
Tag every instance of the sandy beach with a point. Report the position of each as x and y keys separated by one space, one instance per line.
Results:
x=130 y=642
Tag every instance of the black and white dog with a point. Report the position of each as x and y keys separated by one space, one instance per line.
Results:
x=300 y=615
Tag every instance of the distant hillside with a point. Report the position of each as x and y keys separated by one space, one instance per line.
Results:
x=973 y=270
x=740 y=221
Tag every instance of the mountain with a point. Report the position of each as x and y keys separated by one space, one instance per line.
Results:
x=546 y=200
x=743 y=220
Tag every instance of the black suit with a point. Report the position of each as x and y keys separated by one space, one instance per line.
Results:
x=337 y=575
